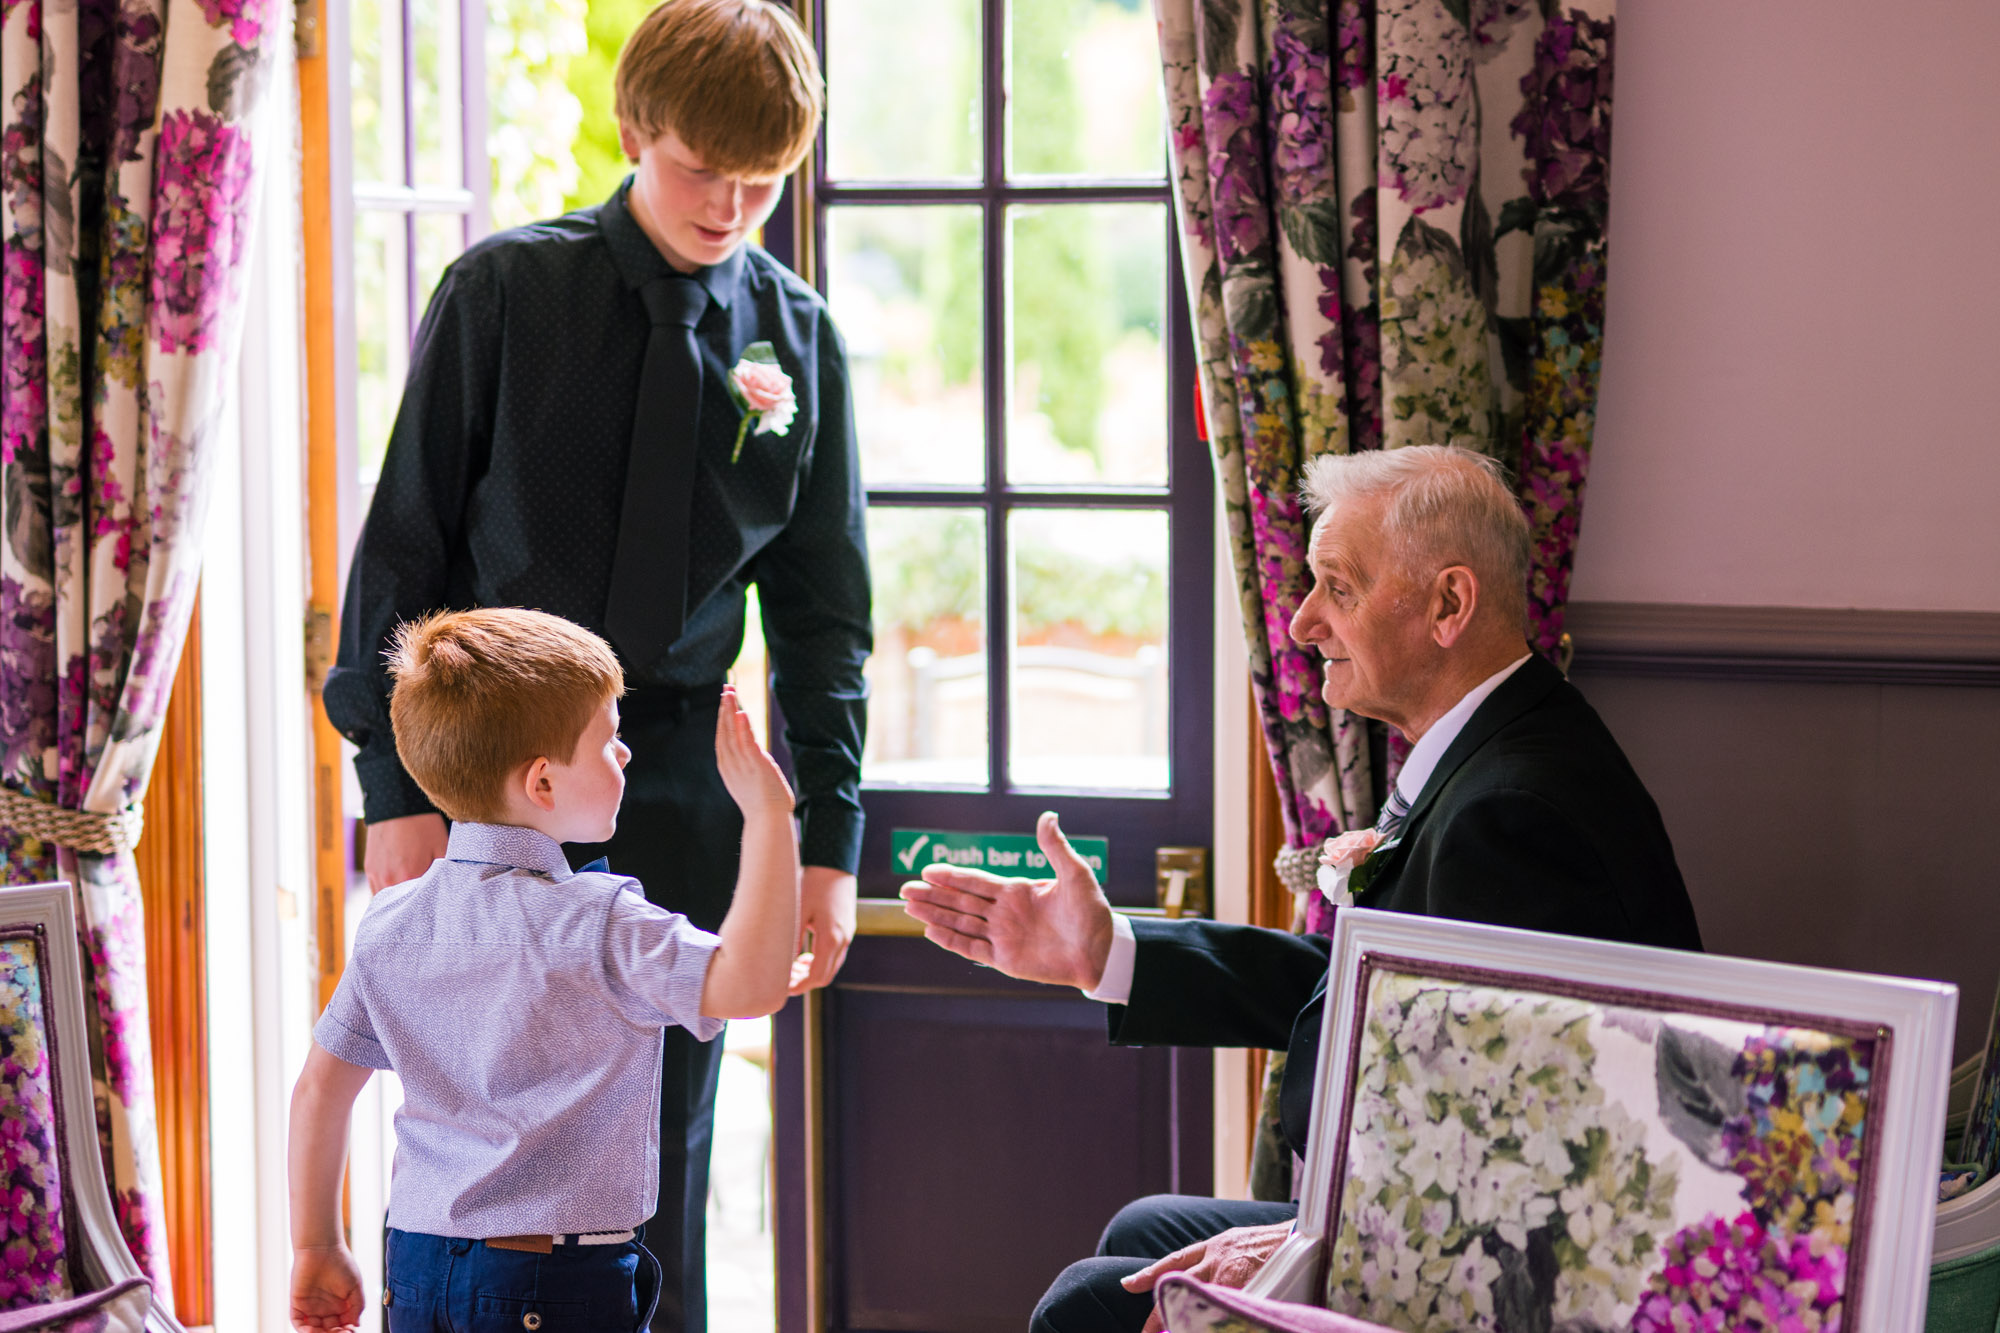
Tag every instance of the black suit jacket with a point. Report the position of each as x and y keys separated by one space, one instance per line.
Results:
x=1533 y=818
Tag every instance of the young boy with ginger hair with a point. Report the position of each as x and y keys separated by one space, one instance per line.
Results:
x=579 y=433
x=523 y=1005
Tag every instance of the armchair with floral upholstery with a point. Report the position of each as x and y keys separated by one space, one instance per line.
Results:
x=64 y=1266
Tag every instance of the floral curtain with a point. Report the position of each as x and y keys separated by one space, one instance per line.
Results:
x=1392 y=217
x=1393 y=227
x=126 y=164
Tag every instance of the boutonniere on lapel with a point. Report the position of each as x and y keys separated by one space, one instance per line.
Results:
x=1351 y=862
x=763 y=393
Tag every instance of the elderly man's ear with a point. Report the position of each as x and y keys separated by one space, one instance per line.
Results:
x=1454 y=603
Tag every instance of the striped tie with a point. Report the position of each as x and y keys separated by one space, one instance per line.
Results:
x=1394 y=811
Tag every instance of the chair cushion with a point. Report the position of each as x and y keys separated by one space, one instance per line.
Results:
x=31 y=1203
x=1191 y=1306
x=1965 y=1295
x=119 y=1309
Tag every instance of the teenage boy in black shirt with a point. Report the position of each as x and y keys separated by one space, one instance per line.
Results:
x=591 y=428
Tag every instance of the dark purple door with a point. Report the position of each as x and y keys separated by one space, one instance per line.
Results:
x=977 y=1134
x=989 y=214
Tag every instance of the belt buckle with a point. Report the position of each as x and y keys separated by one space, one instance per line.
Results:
x=522 y=1244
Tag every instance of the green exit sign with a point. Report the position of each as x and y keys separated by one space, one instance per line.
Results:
x=910 y=850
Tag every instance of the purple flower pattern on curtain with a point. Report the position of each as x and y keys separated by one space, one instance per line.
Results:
x=126 y=167
x=1369 y=265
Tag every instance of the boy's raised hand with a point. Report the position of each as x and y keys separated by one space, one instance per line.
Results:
x=753 y=778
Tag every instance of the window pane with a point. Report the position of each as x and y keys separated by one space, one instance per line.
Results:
x=902 y=86
x=927 y=713
x=376 y=91
x=437 y=109
x=381 y=331
x=904 y=284
x=1089 y=688
x=440 y=239
x=533 y=116
x=1084 y=97
x=1086 y=292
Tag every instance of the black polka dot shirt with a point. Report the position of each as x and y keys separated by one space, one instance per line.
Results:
x=504 y=484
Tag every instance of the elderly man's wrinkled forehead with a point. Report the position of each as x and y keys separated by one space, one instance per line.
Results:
x=1348 y=540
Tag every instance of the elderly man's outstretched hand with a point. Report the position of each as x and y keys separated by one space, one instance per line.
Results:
x=1051 y=930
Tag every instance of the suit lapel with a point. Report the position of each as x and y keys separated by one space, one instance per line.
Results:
x=1515 y=696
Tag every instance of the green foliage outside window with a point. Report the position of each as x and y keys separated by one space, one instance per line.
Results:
x=1062 y=314
x=929 y=571
x=554 y=144
x=534 y=118
x=600 y=162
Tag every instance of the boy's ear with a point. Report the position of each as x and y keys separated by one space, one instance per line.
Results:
x=538 y=786
x=628 y=142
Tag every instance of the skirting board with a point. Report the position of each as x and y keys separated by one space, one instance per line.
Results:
x=1787 y=643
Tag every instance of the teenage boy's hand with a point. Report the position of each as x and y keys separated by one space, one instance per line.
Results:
x=326 y=1288
x=400 y=849
x=753 y=778
x=826 y=913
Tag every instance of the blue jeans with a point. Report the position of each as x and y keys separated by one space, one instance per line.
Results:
x=446 y=1284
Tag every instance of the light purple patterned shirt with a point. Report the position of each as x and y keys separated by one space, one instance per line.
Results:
x=522 y=1007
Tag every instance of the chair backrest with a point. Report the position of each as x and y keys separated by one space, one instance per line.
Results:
x=42 y=1014
x=1523 y=1130
x=1969 y=1224
x=32 y=1169
x=1980 y=1145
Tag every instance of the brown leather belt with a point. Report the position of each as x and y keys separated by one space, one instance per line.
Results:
x=547 y=1244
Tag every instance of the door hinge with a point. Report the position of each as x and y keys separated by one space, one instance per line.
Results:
x=319 y=646
x=306 y=29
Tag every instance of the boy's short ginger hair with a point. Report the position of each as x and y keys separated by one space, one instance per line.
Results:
x=480 y=693
x=737 y=80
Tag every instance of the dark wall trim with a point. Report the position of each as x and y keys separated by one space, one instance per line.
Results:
x=1787 y=643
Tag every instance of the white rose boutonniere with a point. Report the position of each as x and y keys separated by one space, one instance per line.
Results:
x=764 y=394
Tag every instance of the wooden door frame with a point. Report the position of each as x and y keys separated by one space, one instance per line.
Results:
x=170 y=860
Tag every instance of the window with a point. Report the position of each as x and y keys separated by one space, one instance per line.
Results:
x=461 y=118
x=420 y=185
x=998 y=247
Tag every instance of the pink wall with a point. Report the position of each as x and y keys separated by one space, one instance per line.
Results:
x=1803 y=359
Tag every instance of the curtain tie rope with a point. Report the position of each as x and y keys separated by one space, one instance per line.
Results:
x=1298 y=867
x=79 y=830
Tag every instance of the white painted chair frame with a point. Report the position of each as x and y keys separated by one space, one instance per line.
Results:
x=101 y=1257
x=1918 y=1014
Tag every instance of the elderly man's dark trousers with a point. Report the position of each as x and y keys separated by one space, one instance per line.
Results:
x=1087 y=1298
x=679 y=834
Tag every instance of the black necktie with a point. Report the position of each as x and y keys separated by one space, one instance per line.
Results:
x=647 y=605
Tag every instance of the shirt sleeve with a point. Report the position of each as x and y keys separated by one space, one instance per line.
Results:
x=344 y=1030
x=402 y=562
x=812 y=582
x=1115 y=986
x=655 y=964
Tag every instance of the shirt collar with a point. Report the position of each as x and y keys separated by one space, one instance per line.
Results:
x=639 y=261
x=507 y=845
x=1430 y=748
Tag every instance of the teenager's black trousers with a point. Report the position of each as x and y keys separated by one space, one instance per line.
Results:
x=679 y=834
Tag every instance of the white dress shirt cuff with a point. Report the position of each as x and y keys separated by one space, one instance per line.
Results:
x=1115 y=986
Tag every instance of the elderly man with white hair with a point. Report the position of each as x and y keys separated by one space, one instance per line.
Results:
x=1515 y=807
